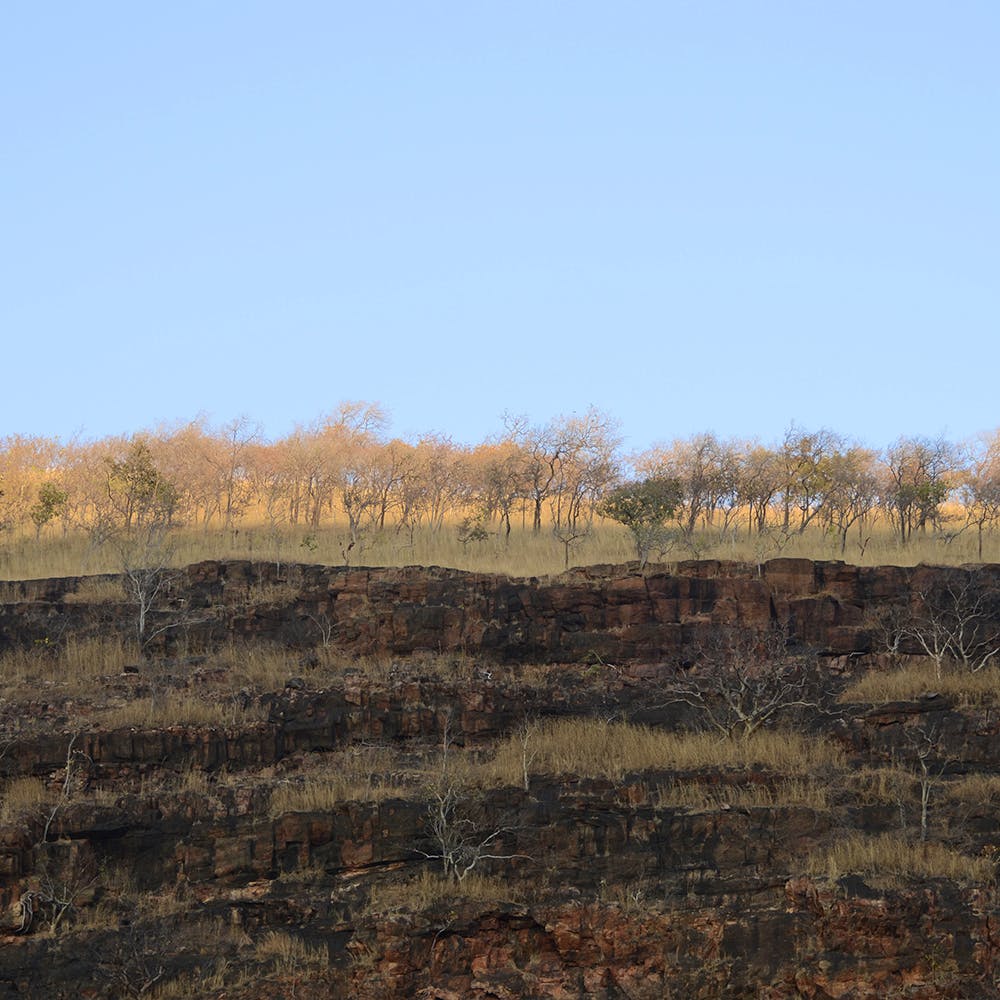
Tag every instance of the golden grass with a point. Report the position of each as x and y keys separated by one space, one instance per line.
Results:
x=881 y=785
x=272 y=594
x=22 y=557
x=290 y=953
x=261 y=665
x=178 y=708
x=891 y=862
x=97 y=590
x=920 y=678
x=72 y=668
x=356 y=774
x=204 y=982
x=431 y=889
x=809 y=792
x=325 y=794
x=591 y=748
x=975 y=789
x=22 y=798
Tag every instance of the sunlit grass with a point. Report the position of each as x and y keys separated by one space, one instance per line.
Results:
x=591 y=748
x=920 y=678
x=22 y=557
x=890 y=861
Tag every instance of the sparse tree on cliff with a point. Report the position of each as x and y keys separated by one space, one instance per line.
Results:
x=957 y=620
x=742 y=681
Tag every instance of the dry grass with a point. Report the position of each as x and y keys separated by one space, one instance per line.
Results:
x=279 y=594
x=892 y=862
x=72 y=668
x=327 y=793
x=290 y=953
x=810 y=793
x=263 y=666
x=357 y=774
x=524 y=554
x=590 y=748
x=97 y=590
x=882 y=785
x=431 y=889
x=975 y=789
x=179 y=708
x=204 y=982
x=97 y=657
x=919 y=678
x=266 y=667
x=22 y=798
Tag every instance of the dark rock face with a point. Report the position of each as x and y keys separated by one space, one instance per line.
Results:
x=613 y=890
x=610 y=612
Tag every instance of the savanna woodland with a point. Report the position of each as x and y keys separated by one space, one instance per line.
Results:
x=343 y=715
x=530 y=500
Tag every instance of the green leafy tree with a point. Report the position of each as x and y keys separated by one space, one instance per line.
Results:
x=644 y=507
x=51 y=502
x=140 y=495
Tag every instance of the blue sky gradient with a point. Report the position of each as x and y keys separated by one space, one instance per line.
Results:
x=695 y=216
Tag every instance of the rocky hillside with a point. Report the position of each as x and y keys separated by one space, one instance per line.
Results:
x=709 y=780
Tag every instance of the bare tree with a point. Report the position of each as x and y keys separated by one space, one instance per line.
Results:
x=61 y=887
x=147 y=579
x=133 y=967
x=741 y=682
x=958 y=620
x=568 y=535
x=461 y=830
x=462 y=834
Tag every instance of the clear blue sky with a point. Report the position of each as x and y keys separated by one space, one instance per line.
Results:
x=697 y=216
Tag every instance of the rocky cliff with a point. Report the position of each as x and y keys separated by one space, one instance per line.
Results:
x=297 y=846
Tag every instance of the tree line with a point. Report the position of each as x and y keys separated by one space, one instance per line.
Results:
x=346 y=469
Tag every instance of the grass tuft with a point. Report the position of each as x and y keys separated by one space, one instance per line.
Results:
x=890 y=862
x=919 y=679
x=432 y=889
x=595 y=749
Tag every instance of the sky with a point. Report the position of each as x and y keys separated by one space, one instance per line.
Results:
x=694 y=216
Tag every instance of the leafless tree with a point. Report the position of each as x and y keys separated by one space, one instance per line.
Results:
x=61 y=887
x=741 y=682
x=568 y=535
x=462 y=833
x=957 y=619
x=75 y=763
x=887 y=626
x=147 y=580
x=132 y=966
